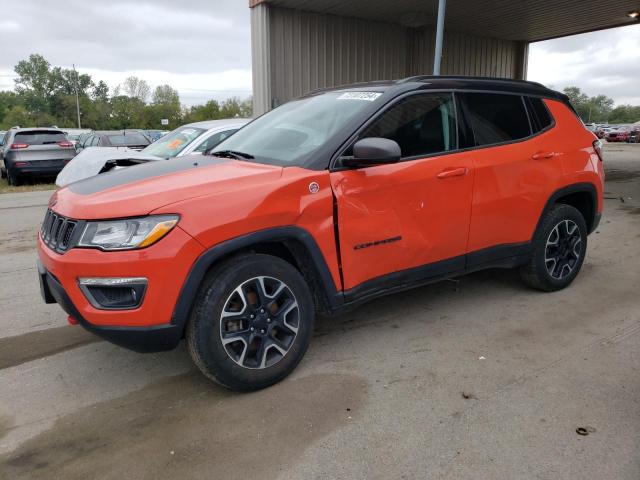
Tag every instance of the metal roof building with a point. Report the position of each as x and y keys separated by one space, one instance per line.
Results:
x=301 y=45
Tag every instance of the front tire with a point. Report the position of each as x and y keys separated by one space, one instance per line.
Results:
x=251 y=323
x=559 y=248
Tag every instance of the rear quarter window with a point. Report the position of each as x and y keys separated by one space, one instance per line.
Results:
x=539 y=114
x=496 y=118
x=39 y=137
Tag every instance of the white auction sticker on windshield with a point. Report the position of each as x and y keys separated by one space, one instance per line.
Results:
x=367 y=96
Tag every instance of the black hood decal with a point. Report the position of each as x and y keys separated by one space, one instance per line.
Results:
x=143 y=171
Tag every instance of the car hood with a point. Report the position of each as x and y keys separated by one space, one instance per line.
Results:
x=92 y=160
x=140 y=189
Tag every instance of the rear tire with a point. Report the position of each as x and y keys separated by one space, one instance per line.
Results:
x=13 y=178
x=559 y=248
x=251 y=323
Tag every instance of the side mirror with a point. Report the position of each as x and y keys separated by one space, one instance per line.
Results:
x=373 y=151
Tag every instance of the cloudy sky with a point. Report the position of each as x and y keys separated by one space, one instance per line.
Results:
x=605 y=62
x=202 y=47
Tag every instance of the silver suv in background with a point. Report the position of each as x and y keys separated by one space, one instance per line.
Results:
x=34 y=152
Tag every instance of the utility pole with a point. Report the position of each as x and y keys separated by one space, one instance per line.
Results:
x=75 y=83
x=437 y=56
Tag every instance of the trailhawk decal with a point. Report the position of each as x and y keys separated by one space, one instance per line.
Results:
x=375 y=243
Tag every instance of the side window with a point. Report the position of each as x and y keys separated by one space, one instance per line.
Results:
x=214 y=140
x=421 y=124
x=496 y=118
x=540 y=116
x=94 y=141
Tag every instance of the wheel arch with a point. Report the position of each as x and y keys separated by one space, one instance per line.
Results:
x=582 y=196
x=293 y=244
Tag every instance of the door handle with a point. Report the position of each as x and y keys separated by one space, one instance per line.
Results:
x=453 y=172
x=543 y=155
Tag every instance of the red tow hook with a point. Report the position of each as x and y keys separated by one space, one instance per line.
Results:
x=71 y=320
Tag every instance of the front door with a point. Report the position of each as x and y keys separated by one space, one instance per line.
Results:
x=411 y=219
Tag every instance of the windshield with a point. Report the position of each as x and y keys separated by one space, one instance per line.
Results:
x=174 y=142
x=289 y=134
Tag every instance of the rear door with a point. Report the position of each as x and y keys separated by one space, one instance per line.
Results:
x=42 y=146
x=514 y=169
x=415 y=213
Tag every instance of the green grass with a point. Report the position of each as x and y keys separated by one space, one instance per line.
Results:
x=6 y=188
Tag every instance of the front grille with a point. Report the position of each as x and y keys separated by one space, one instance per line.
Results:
x=57 y=231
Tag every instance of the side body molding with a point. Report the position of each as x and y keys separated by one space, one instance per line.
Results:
x=199 y=269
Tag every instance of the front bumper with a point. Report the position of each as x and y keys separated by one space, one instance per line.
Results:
x=147 y=328
x=140 y=339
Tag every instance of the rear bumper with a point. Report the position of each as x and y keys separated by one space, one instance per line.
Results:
x=32 y=168
x=140 y=339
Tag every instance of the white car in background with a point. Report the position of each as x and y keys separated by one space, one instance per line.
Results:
x=193 y=138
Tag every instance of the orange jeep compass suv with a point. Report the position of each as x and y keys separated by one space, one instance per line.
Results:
x=327 y=201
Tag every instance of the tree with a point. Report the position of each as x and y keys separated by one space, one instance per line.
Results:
x=135 y=87
x=19 y=115
x=590 y=109
x=625 y=114
x=100 y=92
x=126 y=112
x=165 y=95
x=63 y=80
x=8 y=100
x=199 y=113
x=45 y=95
x=34 y=82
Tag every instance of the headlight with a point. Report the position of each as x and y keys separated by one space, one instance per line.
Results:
x=128 y=233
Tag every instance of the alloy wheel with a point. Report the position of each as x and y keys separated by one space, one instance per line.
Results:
x=563 y=249
x=259 y=322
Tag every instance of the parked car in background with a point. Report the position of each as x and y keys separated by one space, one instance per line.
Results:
x=74 y=134
x=634 y=134
x=132 y=139
x=323 y=203
x=81 y=139
x=34 y=152
x=619 y=134
x=191 y=138
x=156 y=134
x=2 y=132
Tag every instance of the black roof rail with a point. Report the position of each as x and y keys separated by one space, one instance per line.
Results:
x=425 y=78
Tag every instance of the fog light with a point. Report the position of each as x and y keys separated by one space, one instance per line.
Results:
x=115 y=293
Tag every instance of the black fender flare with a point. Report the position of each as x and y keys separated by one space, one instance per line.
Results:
x=208 y=258
x=584 y=187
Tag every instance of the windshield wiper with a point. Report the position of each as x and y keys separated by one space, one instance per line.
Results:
x=231 y=154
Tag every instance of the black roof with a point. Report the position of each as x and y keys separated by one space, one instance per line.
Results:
x=454 y=82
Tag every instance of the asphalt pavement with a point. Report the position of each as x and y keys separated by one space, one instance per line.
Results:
x=477 y=378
